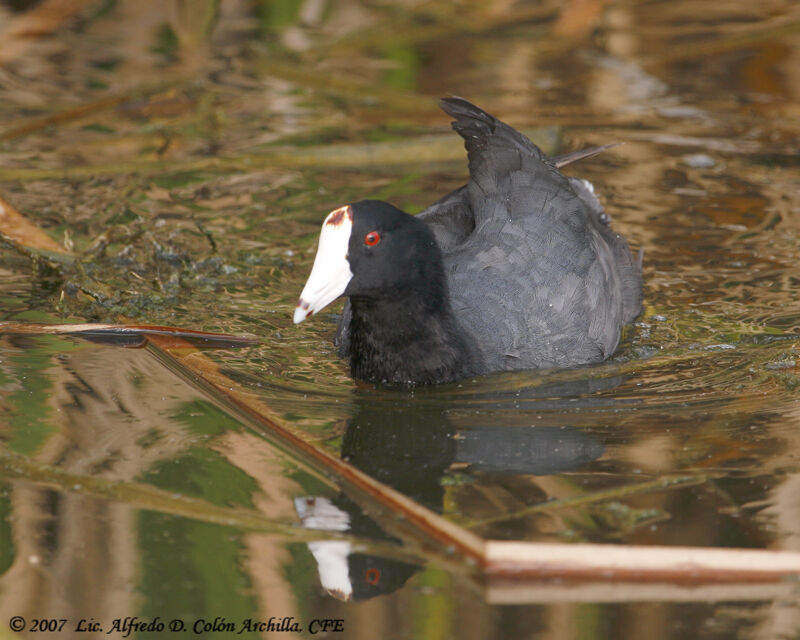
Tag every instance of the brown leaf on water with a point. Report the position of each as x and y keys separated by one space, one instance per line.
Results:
x=17 y=228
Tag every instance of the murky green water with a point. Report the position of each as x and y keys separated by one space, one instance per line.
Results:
x=194 y=199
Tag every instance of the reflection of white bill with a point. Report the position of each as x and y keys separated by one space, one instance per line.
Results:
x=331 y=556
x=334 y=572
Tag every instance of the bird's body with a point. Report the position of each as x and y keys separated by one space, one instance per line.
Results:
x=521 y=271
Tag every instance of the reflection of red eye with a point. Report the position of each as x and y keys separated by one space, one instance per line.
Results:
x=372 y=576
x=372 y=238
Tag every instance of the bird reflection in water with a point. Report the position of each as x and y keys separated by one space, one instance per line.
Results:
x=409 y=443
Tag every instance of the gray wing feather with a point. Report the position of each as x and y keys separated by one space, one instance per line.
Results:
x=539 y=281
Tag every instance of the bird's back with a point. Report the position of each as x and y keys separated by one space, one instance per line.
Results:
x=535 y=275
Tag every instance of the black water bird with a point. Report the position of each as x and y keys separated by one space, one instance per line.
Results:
x=517 y=269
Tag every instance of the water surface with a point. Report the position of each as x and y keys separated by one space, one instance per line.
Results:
x=194 y=198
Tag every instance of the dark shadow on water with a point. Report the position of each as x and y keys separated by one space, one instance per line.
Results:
x=409 y=446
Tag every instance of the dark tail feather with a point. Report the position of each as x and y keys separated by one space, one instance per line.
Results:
x=568 y=158
x=472 y=121
x=469 y=119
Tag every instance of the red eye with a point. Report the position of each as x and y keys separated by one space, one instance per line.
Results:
x=372 y=576
x=372 y=238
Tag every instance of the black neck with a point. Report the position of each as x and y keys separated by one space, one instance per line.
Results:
x=408 y=340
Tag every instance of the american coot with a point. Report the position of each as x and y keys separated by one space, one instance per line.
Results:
x=518 y=269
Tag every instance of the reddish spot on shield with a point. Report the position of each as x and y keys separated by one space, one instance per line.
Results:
x=337 y=216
